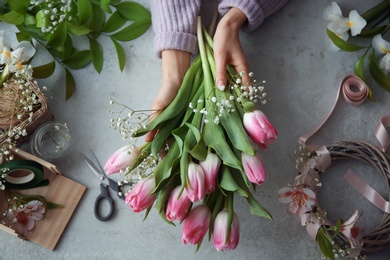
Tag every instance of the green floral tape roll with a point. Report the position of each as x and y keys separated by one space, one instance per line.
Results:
x=23 y=174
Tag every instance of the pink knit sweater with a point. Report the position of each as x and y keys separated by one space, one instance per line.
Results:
x=174 y=21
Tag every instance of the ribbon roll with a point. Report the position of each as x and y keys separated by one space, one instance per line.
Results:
x=23 y=174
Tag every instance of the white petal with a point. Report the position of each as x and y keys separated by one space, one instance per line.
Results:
x=28 y=50
x=380 y=45
x=332 y=12
x=385 y=63
x=356 y=22
x=331 y=46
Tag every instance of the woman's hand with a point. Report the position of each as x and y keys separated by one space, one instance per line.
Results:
x=227 y=46
x=175 y=64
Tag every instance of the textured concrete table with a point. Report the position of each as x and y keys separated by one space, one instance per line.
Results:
x=288 y=51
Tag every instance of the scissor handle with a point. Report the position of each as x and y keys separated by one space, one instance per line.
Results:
x=103 y=196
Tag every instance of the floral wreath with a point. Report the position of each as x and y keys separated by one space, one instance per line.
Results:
x=344 y=238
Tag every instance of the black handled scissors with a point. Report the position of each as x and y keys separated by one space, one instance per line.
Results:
x=105 y=183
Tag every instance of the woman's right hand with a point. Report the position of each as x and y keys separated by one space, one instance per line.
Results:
x=175 y=64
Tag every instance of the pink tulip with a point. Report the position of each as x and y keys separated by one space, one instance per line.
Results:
x=122 y=158
x=195 y=187
x=220 y=230
x=259 y=128
x=196 y=225
x=178 y=206
x=141 y=197
x=254 y=168
x=210 y=168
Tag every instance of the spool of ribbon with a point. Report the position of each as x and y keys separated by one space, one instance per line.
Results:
x=23 y=174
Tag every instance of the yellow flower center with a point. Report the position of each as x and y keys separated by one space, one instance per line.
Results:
x=385 y=50
x=350 y=24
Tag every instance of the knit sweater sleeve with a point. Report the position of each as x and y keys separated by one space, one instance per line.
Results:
x=255 y=10
x=174 y=24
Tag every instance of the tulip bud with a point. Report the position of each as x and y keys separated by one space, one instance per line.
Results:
x=196 y=225
x=259 y=128
x=195 y=187
x=210 y=168
x=122 y=158
x=141 y=197
x=220 y=231
x=254 y=167
x=178 y=206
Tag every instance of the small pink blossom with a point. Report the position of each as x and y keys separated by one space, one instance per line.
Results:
x=352 y=232
x=195 y=187
x=220 y=230
x=141 y=197
x=122 y=158
x=254 y=168
x=196 y=225
x=23 y=219
x=300 y=199
x=210 y=168
x=178 y=206
x=259 y=128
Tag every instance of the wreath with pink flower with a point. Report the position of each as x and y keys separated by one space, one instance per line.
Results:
x=344 y=238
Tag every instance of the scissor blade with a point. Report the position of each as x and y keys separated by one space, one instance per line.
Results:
x=94 y=169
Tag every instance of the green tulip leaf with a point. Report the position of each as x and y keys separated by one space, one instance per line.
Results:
x=45 y=70
x=199 y=150
x=255 y=207
x=132 y=31
x=114 y=23
x=79 y=59
x=229 y=183
x=12 y=17
x=97 y=54
x=325 y=244
x=70 y=84
x=59 y=36
x=84 y=8
x=165 y=167
x=120 y=54
x=377 y=73
x=133 y=11
x=340 y=43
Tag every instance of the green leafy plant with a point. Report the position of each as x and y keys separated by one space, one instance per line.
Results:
x=62 y=25
x=377 y=23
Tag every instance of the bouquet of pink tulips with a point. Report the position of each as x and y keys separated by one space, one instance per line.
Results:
x=206 y=150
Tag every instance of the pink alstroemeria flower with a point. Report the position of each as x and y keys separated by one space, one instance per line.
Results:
x=122 y=158
x=259 y=128
x=178 y=206
x=23 y=219
x=195 y=187
x=254 y=168
x=220 y=230
x=141 y=197
x=210 y=168
x=349 y=230
x=196 y=225
x=301 y=199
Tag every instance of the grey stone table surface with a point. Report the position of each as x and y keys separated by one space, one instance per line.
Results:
x=289 y=52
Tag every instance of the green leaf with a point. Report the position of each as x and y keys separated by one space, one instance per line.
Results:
x=77 y=30
x=97 y=54
x=377 y=73
x=70 y=84
x=23 y=36
x=105 y=5
x=132 y=31
x=30 y=20
x=40 y=17
x=114 y=22
x=199 y=150
x=45 y=70
x=359 y=71
x=78 y=60
x=98 y=20
x=343 y=45
x=120 y=54
x=12 y=17
x=67 y=48
x=165 y=168
x=84 y=8
x=370 y=33
x=19 y=6
x=228 y=182
x=325 y=244
x=58 y=38
x=133 y=11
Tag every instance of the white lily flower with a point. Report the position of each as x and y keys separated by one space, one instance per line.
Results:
x=23 y=52
x=340 y=25
x=382 y=46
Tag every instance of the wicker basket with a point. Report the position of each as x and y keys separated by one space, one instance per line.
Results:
x=41 y=112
